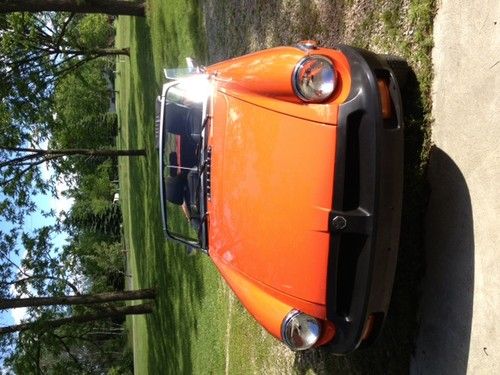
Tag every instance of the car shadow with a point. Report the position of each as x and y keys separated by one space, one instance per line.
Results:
x=394 y=352
x=448 y=288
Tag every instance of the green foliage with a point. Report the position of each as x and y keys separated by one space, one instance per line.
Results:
x=94 y=226
x=82 y=93
x=7 y=251
x=24 y=70
x=81 y=104
x=94 y=348
x=126 y=365
x=43 y=58
x=11 y=136
x=44 y=46
x=92 y=264
x=82 y=100
x=67 y=79
x=94 y=193
x=93 y=30
x=102 y=262
x=40 y=271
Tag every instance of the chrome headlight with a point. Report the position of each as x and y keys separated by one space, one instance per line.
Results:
x=300 y=331
x=314 y=79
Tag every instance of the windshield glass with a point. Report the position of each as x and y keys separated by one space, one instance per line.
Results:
x=182 y=120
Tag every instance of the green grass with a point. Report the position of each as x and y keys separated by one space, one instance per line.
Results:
x=197 y=326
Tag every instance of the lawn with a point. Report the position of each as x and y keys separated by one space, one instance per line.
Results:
x=198 y=326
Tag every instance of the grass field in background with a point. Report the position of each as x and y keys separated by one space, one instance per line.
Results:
x=198 y=327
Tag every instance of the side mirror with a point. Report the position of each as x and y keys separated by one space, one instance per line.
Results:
x=190 y=250
x=193 y=66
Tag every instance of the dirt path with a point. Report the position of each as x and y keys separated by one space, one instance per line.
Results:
x=236 y=27
x=460 y=307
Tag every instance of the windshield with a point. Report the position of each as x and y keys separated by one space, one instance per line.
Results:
x=181 y=113
x=177 y=73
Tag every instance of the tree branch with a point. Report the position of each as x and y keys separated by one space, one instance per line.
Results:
x=18 y=160
x=21 y=173
x=86 y=299
x=68 y=350
x=63 y=30
x=43 y=277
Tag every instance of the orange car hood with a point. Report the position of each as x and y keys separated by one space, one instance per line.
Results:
x=271 y=193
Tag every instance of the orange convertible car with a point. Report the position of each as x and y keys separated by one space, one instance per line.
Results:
x=285 y=167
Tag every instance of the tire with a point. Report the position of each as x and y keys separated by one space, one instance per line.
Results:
x=399 y=67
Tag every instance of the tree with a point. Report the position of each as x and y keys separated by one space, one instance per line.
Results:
x=42 y=56
x=81 y=94
x=90 y=348
x=86 y=299
x=37 y=49
x=59 y=321
x=86 y=342
x=111 y=7
x=20 y=176
x=82 y=101
x=26 y=159
x=140 y=309
x=15 y=162
x=39 y=272
x=52 y=49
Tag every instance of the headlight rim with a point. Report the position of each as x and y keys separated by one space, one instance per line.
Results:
x=288 y=318
x=295 y=80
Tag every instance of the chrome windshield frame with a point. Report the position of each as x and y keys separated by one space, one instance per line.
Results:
x=203 y=236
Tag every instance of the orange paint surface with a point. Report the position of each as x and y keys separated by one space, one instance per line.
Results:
x=264 y=78
x=271 y=196
x=272 y=177
x=265 y=307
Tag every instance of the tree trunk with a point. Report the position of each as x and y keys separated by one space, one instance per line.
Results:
x=88 y=152
x=86 y=299
x=95 y=52
x=145 y=308
x=111 y=7
x=111 y=52
x=76 y=151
